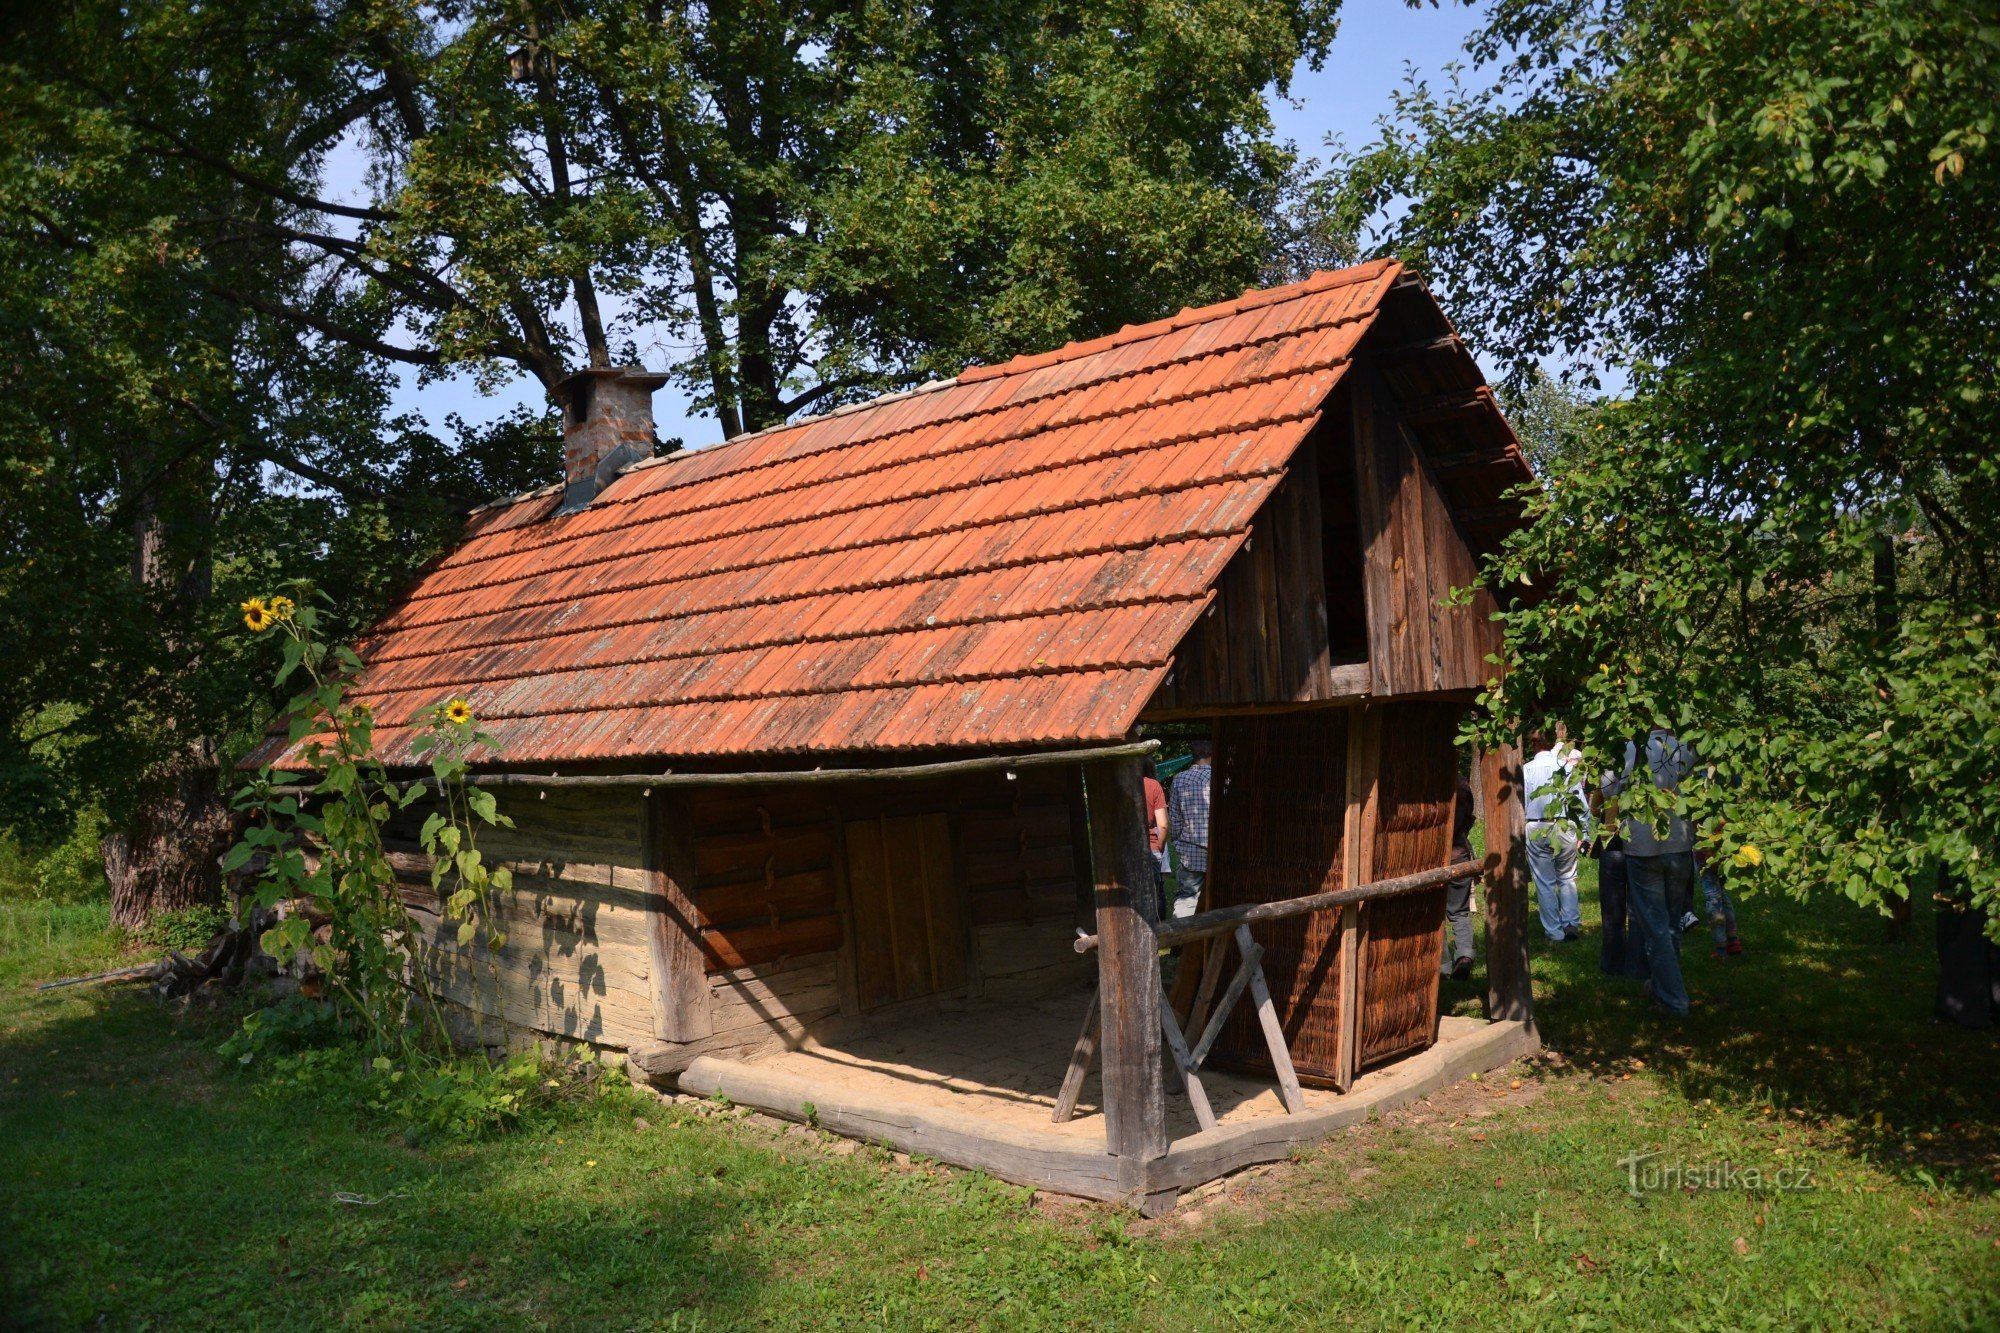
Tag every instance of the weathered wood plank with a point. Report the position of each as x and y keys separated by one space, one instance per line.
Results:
x=1010 y=948
x=1040 y=1159
x=1364 y=755
x=1188 y=1067
x=1080 y=1058
x=1509 y=986
x=747 y=946
x=1203 y=1157
x=1274 y=1032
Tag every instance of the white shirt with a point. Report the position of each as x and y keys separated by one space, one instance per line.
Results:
x=1553 y=789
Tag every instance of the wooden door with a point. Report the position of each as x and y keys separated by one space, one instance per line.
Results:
x=909 y=934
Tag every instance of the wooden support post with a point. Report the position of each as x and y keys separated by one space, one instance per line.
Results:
x=1128 y=970
x=1184 y=1064
x=1274 y=1032
x=679 y=973
x=1509 y=988
x=1252 y=960
x=1364 y=761
x=1213 y=956
x=1080 y=1059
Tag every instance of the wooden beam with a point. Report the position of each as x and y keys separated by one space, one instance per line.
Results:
x=1223 y=920
x=1448 y=406
x=1128 y=970
x=1422 y=347
x=1364 y=761
x=1509 y=987
x=1473 y=461
x=1185 y=1065
x=789 y=777
x=677 y=972
x=1081 y=1056
x=1274 y=1032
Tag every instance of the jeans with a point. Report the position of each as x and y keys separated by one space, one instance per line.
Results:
x=1618 y=953
x=1656 y=881
x=1187 y=890
x=1552 y=861
x=1457 y=923
x=1721 y=912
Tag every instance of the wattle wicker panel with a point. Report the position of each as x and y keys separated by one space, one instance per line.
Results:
x=1278 y=832
x=1399 y=973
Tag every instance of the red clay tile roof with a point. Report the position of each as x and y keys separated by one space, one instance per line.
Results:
x=1007 y=559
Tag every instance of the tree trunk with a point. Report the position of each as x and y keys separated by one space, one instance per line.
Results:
x=167 y=862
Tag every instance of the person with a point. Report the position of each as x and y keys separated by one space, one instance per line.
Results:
x=1457 y=960
x=1721 y=911
x=1156 y=827
x=1968 y=984
x=1557 y=816
x=1659 y=866
x=1618 y=953
x=1187 y=826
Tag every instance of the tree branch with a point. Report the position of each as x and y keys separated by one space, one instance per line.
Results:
x=413 y=356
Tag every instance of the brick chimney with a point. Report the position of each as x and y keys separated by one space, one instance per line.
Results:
x=607 y=425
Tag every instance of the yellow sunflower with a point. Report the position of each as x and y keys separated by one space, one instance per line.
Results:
x=1748 y=855
x=256 y=615
x=458 y=711
x=282 y=608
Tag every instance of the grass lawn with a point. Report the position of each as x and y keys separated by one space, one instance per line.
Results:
x=149 y=1186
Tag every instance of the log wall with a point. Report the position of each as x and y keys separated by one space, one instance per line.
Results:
x=576 y=962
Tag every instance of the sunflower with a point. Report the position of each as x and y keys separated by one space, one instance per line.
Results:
x=282 y=608
x=458 y=711
x=1748 y=855
x=256 y=615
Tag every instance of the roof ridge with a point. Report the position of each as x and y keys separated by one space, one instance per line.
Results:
x=656 y=460
x=1253 y=298
x=506 y=501
x=928 y=386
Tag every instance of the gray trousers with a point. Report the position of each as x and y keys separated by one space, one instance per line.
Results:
x=1457 y=923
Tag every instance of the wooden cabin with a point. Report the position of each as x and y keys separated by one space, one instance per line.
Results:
x=829 y=734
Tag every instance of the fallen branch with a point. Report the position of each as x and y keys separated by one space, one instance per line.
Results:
x=115 y=974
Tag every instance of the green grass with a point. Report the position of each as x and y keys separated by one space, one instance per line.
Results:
x=148 y=1186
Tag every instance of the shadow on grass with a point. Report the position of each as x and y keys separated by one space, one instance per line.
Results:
x=1820 y=1019
x=146 y=1186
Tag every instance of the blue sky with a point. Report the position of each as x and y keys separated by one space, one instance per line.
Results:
x=1378 y=42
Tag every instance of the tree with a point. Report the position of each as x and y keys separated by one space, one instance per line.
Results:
x=228 y=228
x=155 y=430
x=1778 y=217
x=816 y=202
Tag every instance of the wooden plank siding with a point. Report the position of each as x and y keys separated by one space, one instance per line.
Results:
x=1339 y=590
x=1413 y=556
x=1263 y=638
x=1416 y=781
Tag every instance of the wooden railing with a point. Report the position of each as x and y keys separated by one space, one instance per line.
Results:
x=1208 y=1012
x=1224 y=920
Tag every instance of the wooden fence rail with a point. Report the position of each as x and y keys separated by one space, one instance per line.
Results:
x=1224 y=920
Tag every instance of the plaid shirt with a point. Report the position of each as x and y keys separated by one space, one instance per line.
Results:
x=1187 y=816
